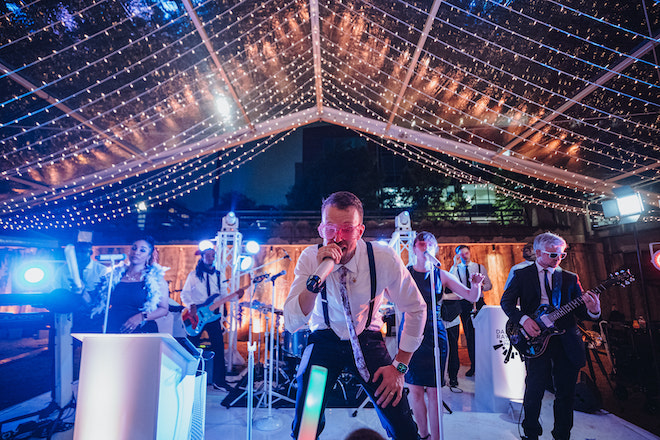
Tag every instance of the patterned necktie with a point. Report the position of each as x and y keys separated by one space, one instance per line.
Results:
x=355 y=343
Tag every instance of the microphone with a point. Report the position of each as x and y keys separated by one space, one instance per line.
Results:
x=316 y=280
x=260 y=278
x=434 y=261
x=277 y=275
x=110 y=257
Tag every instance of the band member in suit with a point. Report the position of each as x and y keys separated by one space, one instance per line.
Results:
x=544 y=282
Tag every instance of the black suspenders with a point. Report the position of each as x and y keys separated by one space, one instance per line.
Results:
x=372 y=273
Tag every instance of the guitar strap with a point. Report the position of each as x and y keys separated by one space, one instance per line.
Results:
x=372 y=273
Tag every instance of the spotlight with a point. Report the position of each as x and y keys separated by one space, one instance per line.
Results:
x=655 y=256
x=230 y=222
x=246 y=262
x=34 y=275
x=252 y=247
x=402 y=222
x=205 y=245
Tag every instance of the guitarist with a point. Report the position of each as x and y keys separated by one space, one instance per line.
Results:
x=544 y=282
x=201 y=283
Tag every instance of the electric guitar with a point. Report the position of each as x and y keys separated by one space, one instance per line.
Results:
x=195 y=322
x=546 y=315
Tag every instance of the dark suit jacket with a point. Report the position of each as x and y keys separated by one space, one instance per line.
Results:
x=526 y=287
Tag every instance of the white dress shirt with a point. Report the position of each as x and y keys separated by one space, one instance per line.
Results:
x=393 y=282
x=459 y=272
x=194 y=289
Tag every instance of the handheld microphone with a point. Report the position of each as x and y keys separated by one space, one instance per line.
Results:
x=316 y=280
x=434 y=261
x=110 y=257
x=277 y=275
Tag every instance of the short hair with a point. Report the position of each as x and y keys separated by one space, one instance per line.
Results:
x=364 y=434
x=343 y=200
x=548 y=239
x=461 y=246
x=425 y=236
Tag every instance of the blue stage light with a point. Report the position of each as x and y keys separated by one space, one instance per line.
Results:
x=252 y=247
x=246 y=262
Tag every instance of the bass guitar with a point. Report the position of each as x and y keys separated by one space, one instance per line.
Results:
x=205 y=312
x=546 y=316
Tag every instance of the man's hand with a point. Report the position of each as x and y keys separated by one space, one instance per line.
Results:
x=390 y=389
x=332 y=250
x=531 y=328
x=193 y=309
x=592 y=301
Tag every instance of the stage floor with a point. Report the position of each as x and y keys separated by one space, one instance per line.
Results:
x=463 y=423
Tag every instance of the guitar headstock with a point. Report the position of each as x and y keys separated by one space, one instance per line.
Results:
x=621 y=277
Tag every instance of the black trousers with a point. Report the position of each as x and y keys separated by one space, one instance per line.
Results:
x=454 y=362
x=564 y=373
x=325 y=349
x=214 y=331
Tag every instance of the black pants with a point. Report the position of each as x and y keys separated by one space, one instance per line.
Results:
x=564 y=375
x=214 y=331
x=325 y=349
x=454 y=363
x=468 y=328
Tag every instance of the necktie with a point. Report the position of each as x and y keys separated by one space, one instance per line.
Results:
x=467 y=277
x=548 y=288
x=355 y=343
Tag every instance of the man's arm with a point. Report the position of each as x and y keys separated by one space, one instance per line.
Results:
x=300 y=301
x=186 y=292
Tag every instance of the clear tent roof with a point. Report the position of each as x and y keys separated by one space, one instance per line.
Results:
x=105 y=103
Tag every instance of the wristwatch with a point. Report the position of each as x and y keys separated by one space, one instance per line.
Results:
x=144 y=316
x=400 y=366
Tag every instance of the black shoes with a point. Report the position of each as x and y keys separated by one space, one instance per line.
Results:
x=470 y=372
x=453 y=383
x=223 y=387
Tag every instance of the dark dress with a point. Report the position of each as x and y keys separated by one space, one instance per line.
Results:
x=127 y=299
x=421 y=370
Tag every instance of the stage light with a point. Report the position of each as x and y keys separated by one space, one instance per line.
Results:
x=627 y=205
x=34 y=275
x=630 y=205
x=141 y=207
x=205 y=245
x=246 y=262
x=655 y=256
x=402 y=222
x=230 y=222
x=252 y=247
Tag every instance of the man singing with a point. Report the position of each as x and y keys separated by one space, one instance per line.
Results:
x=544 y=282
x=345 y=319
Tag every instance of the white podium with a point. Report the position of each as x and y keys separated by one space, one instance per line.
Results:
x=134 y=386
x=500 y=371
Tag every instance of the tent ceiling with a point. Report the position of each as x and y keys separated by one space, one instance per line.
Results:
x=553 y=102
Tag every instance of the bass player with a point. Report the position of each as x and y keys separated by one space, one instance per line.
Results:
x=546 y=283
x=201 y=284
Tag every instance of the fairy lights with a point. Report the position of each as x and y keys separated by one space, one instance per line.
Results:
x=529 y=100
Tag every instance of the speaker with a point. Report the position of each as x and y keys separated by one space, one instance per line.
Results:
x=587 y=395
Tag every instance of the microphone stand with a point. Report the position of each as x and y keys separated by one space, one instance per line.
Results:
x=271 y=422
x=435 y=264
x=113 y=261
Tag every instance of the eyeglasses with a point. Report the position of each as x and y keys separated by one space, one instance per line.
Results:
x=329 y=231
x=554 y=255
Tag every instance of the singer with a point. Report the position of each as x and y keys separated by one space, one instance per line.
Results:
x=139 y=293
x=421 y=374
x=346 y=328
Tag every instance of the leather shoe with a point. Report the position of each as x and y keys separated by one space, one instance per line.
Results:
x=453 y=383
x=470 y=372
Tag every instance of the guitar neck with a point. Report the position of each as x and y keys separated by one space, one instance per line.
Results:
x=577 y=302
